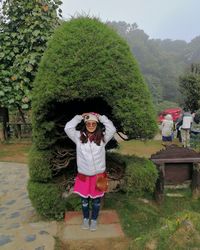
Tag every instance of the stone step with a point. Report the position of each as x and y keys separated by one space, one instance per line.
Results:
x=108 y=227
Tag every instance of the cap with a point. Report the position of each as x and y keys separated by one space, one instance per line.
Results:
x=90 y=117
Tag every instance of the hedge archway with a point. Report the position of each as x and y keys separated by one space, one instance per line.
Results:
x=86 y=67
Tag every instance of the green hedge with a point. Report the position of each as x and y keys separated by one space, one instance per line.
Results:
x=46 y=199
x=39 y=165
x=86 y=65
x=87 y=59
x=140 y=176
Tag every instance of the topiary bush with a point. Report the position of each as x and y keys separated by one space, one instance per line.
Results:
x=46 y=199
x=140 y=176
x=39 y=165
x=86 y=67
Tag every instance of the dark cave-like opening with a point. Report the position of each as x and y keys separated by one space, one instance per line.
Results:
x=61 y=113
x=63 y=157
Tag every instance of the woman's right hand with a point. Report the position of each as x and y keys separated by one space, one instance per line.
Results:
x=84 y=114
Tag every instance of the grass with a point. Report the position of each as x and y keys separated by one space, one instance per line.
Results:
x=174 y=224
x=16 y=151
x=145 y=222
x=140 y=148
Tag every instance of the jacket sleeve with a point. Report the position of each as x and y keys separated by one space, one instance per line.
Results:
x=110 y=128
x=70 y=128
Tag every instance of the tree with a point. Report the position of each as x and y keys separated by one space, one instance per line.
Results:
x=86 y=67
x=190 y=88
x=25 y=27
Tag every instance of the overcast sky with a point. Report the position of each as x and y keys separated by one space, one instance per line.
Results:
x=173 y=19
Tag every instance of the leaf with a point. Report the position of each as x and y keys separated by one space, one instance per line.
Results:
x=25 y=106
x=2 y=93
x=36 y=32
x=21 y=47
x=29 y=68
x=11 y=101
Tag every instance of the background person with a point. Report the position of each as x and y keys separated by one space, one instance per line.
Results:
x=178 y=125
x=195 y=131
x=167 y=128
x=90 y=156
x=185 y=128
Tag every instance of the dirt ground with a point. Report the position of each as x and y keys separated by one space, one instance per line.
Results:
x=98 y=244
x=15 y=152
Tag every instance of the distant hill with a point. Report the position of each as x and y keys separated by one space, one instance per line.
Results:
x=161 y=61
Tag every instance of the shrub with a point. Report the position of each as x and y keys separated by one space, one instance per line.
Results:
x=46 y=199
x=39 y=162
x=140 y=176
x=86 y=65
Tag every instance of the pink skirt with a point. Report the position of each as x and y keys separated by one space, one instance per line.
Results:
x=85 y=186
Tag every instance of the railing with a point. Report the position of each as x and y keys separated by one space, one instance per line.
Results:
x=19 y=130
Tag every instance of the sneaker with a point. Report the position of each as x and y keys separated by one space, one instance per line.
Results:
x=85 y=224
x=93 y=225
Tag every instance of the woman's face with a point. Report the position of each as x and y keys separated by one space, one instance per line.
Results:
x=91 y=126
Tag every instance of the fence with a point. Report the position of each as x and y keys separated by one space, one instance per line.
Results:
x=19 y=130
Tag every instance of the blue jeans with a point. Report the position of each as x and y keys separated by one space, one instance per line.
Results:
x=95 y=207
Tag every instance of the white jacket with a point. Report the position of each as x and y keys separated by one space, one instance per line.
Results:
x=89 y=156
x=167 y=127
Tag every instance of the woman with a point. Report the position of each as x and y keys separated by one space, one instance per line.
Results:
x=167 y=128
x=90 y=156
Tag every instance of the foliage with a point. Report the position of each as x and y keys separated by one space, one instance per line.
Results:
x=175 y=230
x=46 y=199
x=165 y=105
x=197 y=116
x=161 y=61
x=39 y=162
x=86 y=65
x=190 y=88
x=195 y=142
x=140 y=176
x=85 y=59
x=25 y=28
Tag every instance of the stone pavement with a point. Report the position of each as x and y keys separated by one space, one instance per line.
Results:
x=20 y=228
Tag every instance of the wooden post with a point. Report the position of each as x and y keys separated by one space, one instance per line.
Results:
x=196 y=181
x=4 y=118
x=159 y=190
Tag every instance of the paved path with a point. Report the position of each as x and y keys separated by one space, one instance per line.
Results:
x=20 y=228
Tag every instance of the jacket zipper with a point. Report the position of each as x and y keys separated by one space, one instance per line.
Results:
x=93 y=158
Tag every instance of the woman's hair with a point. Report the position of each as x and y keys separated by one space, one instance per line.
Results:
x=98 y=134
